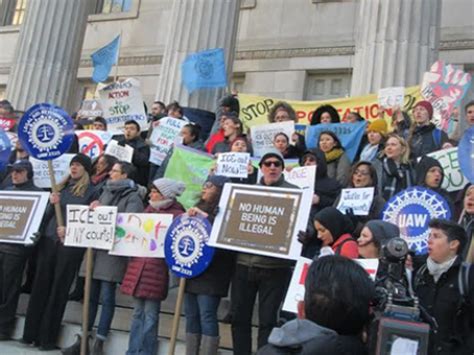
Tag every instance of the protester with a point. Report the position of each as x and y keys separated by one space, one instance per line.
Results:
x=325 y=114
x=228 y=104
x=338 y=164
x=467 y=221
x=438 y=284
x=241 y=145
x=146 y=279
x=283 y=112
x=354 y=117
x=13 y=257
x=232 y=128
x=469 y=121
x=374 y=236
x=333 y=315
x=401 y=123
x=175 y=110
x=282 y=142
x=99 y=124
x=218 y=136
x=376 y=131
x=56 y=263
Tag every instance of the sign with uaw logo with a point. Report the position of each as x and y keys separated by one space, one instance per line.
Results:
x=186 y=251
x=412 y=210
x=46 y=131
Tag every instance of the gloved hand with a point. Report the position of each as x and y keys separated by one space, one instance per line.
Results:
x=304 y=237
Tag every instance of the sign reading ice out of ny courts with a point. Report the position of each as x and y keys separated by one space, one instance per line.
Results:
x=261 y=220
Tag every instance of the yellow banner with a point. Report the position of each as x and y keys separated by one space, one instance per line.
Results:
x=254 y=109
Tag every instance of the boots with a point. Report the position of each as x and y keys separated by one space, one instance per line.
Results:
x=75 y=349
x=98 y=348
x=192 y=343
x=209 y=345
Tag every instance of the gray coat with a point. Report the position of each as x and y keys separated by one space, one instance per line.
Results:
x=109 y=267
x=340 y=169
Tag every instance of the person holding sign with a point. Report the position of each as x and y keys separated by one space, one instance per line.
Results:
x=338 y=164
x=57 y=264
x=282 y=142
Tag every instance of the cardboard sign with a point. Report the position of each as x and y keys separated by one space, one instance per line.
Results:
x=88 y=228
x=262 y=135
x=454 y=179
x=233 y=165
x=21 y=213
x=261 y=220
x=359 y=199
x=60 y=167
x=163 y=137
x=302 y=176
x=122 y=153
x=391 y=97
x=121 y=102
x=92 y=142
x=141 y=234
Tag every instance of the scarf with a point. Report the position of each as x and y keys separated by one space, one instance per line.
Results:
x=369 y=152
x=333 y=155
x=396 y=177
x=162 y=204
x=436 y=270
x=99 y=178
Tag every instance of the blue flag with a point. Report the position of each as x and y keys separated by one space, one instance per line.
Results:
x=205 y=69
x=103 y=59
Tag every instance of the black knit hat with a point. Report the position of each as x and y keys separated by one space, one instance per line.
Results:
x=84 y=160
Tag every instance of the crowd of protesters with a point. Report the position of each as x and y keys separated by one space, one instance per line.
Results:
x=338 y=306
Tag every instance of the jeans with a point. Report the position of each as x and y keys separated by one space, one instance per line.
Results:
x=108 y=306
x=144 y=328
x=201 y=314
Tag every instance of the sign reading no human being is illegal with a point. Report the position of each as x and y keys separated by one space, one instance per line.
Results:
x=261 y=220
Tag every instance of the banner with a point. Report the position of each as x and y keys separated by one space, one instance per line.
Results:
x=121 y=152
x=41 y=172
x=141 y=234
x=350 y=135
x=302 y=176
x=233 y=165
x=93 y=142
x=21 y=213
x=163 y=137
x=261 y=220
x=121 y=102
x=357 y=199
x=262 y=135
x=254 y=109
x=454 y=180
x=204 y=69
x=87 y=228
x=192 y=167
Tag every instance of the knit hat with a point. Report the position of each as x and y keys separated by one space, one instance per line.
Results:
x=169 y=188
x=217 y=180
x=23 y=164
x=232 y=102
x=272 y=152
x=333 y=220
x=427 y=106
x=379 y=126
x=84 y=160
x=382 y=231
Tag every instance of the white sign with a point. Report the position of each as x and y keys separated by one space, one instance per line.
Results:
x=391 y=97
x=141 y=234
x=163 y=137
x=90 y=109
x=359 y=199
x=121 y=102
x=87 y=228
x=92 y=142
x=262 y=135
x=369 y=265
x=41 y=173
x=454 y=179
x=302 y=176
x=122 y=153
x=233 y=165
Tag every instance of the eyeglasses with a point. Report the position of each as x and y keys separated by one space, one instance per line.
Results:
x=275 y=163
x=361 y=172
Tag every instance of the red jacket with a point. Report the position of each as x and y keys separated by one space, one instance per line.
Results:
x=214 y=139
x=346 y=246
x=148 y=277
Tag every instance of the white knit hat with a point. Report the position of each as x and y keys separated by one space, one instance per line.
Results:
x=169 y=188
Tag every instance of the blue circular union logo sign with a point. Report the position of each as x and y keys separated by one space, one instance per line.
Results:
x=412 y=210
x=46 y=131
x=186 y=251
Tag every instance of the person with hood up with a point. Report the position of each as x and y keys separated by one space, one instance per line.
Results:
x=325 y=114
x=374 y=236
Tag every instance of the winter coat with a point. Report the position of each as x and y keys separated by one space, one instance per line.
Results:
x=468 y=224
x=346 y=246
x=140 y=159
x=107 y=267
x=392 y=178
x=339 y=169
x=422 y=141
x=214 y=139
x=442 y=300
x=304 y=337
x=148 y=277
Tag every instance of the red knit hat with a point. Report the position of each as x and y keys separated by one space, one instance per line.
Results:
x=426 y=105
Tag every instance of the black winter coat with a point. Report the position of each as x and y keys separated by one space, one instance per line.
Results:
x=140 y=159
x=422 y=141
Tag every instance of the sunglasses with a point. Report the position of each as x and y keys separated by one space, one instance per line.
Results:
x=275 y=163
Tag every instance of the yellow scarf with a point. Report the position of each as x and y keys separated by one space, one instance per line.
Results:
x=333 y=155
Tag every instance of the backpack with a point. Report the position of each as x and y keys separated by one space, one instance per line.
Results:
x=437 y=137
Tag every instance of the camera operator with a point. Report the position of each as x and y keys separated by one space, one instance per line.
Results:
x=439 y=284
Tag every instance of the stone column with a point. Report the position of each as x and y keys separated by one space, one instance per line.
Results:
x=396 y=42
x=197 y=25
x=47 y=53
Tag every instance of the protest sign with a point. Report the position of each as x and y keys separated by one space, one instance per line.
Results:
x=13 y=138
x=233 y=165
x=454 y=179
x=357 y=199
x=412 y=210
x=350 y=135
x=163 y=137
x=262 y=135
x=192 y=167
x=261 y=220
x=5 y=148
x=254 y=109
x=141 y=234
x=93 y=142
x=7 y=122
x=122 y=153
x=391 y=97
x=60 y=166
x=466 y=154
x=187 y=252
x=87 y=228
x=302 y=176
x=91 y=109
x=121 y=102
x=21 y=213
